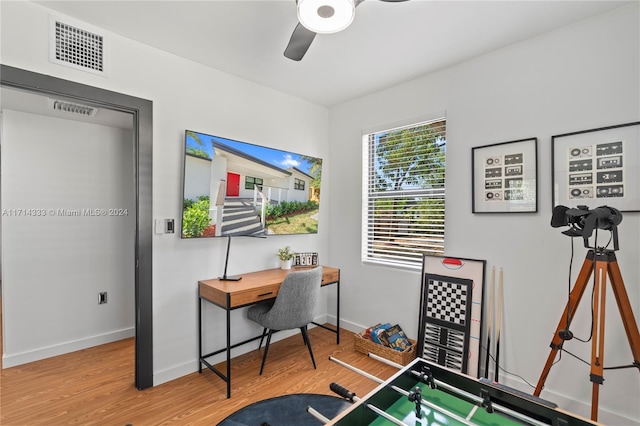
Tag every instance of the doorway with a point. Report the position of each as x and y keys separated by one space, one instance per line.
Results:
x=141 y=113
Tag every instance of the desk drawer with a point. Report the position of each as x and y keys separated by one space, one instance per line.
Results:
x=254 y=295
x=330 y=277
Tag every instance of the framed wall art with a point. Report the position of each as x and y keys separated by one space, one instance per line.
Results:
x=504 y=177
x=597 y=167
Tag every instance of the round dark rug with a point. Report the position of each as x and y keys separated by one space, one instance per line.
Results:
x=287 y=410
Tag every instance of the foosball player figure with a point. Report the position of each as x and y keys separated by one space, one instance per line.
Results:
x=416 y=396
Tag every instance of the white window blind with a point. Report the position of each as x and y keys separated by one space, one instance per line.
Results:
x=404 y=194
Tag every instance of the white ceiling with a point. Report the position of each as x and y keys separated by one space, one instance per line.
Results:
x=387 y=44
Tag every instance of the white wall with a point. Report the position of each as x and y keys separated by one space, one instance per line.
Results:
x=58 y=257
x=181 y=92
x=580 y=77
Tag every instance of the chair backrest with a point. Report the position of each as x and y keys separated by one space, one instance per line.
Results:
x=297 y=300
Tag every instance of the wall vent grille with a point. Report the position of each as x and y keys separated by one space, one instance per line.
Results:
x=73 y=108
x=77 y=47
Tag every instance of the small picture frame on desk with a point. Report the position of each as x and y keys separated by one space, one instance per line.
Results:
x=305 y=259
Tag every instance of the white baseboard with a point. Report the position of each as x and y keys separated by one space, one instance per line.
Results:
x=347 y=325
x=11 y=360
x=175 y=372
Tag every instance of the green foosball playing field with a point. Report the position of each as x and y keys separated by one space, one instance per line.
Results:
x=446 y=397
x=446 y=404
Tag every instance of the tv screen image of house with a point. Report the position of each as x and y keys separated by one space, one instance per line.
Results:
x=234 y=188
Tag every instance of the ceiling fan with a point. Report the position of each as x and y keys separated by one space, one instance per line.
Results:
x=320 y=17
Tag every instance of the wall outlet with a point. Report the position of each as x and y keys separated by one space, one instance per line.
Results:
x=102 y=298
x=169 y=226
x=165 y=226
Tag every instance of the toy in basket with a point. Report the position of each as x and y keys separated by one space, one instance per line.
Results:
x=387 y=341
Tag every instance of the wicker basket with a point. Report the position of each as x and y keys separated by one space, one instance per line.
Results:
x=367 y=346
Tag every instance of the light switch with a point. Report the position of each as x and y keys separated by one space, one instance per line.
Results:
x=159 y=226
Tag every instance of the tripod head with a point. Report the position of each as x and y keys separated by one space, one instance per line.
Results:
x=582 y=222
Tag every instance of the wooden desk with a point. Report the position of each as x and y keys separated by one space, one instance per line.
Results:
x=253 y=288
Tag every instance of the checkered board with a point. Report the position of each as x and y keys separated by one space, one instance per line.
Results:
x=448 y=300
x=447 y=320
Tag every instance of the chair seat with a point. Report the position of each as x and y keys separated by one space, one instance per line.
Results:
x=258 y=312
x=294 y=307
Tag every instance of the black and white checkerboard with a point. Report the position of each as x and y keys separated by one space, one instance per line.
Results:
x=447 y=301
x=447 y=320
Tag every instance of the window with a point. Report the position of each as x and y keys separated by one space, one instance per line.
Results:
x=298 y=184
x=404 y=194
x=250 y=182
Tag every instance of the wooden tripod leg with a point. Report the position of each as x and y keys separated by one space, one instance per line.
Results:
x=567 y=316
x=597 y=332
x=607 y=266
x=624 y=306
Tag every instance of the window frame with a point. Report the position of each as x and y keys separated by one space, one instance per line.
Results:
x=250 y=185
x=426 y=199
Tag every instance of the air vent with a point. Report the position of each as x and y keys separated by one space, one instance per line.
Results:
x=73 y=108
x=77 y=48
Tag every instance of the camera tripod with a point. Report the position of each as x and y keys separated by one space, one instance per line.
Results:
x=603 y=263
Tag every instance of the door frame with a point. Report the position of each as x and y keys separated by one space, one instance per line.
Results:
x=142 y=112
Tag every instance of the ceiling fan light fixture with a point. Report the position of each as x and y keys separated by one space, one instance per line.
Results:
x=326 y=16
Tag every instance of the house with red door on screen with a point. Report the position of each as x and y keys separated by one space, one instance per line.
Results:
x=238 y=188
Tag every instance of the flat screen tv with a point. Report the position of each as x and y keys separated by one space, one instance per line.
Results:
x=234 y=188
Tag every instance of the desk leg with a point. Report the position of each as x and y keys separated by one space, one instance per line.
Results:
x=228 y=346
x=338 y=314
x=199 y=335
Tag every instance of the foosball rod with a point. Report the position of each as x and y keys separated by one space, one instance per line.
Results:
x=357 y=370
x=318 y=415
x=403 y=392
x=382 y=413
x=345 y=393
x=464 y=394
x=373 y=408
x=385 y=360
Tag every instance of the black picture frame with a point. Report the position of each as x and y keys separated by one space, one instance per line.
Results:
x=597 y=167
x=504 y=177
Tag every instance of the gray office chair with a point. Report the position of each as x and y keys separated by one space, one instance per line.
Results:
x=294 y=307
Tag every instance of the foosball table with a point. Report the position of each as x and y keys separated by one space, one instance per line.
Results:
x=423 y=393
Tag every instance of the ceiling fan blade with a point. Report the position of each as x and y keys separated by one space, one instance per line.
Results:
x=302 y=37
x=299 y=43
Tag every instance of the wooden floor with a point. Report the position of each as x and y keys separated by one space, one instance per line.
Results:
x=96 y=386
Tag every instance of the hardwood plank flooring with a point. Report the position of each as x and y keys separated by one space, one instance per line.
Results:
x=96 y=386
